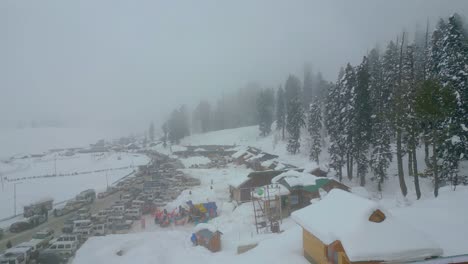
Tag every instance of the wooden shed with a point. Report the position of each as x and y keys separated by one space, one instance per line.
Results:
x=367 y=237
x=210 y=239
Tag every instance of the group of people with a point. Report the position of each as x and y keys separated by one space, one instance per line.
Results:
x=196 y=213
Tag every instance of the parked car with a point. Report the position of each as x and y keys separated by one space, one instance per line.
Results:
x=36 y=220
x=34 y=244
x=25 y=251
x=68 y=238
x=46 y=235
x=133 y=213
x=100 y=229
x=13 y=258
x=64 y=248
x=50 y=258
x=20 y=226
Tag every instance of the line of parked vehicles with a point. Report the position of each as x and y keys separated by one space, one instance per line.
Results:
x=43 y=247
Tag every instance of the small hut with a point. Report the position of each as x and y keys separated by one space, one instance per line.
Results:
x=368 y=237
x=208 y=236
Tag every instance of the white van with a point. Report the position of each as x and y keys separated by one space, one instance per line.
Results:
x=100 y=229
x=83 y=227
x=138 y=203
x=34 y=244
x=68 y=238
x=133 y=213
x=118 y=208
x=64 y=248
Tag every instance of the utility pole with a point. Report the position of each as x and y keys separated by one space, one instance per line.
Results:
x=14 y=195
x=55 y=165
x=107 y=180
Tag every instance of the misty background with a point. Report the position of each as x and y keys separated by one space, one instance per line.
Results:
x=118 y=65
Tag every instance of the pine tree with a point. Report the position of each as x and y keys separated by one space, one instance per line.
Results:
x=307 y=88
x=280 y=112
x=411 y=124
x=265 y=108
x=381 y=155
x=453 y=73
x=296 y=121
x=362 y=119
x=292 y=89
x=314 y=126
x=334 y=124
x=348 y=115
x=151 y=132
x=434 y=104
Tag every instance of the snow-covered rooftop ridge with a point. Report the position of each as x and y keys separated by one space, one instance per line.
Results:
x=202 y=226
x=295 y=178
x=344 y=216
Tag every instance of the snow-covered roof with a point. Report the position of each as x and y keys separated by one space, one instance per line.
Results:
x=202 y=226
x=294 y=178
x=273 y=191
x=238 y=181
x=239 y=153
x=344 y=216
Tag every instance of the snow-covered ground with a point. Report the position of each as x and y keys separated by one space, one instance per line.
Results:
x=197 y=160
x=442 y=218
x=93 y=171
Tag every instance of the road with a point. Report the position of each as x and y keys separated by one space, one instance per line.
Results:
x=55 y=223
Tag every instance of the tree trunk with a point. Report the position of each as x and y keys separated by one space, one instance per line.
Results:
x=283 y=133
x=347 y=166
x=415 y=172
x=434 y=162
x=350 y=175
x=410 y=161
x=340 y=171
x=426 y=152
x=401 y=173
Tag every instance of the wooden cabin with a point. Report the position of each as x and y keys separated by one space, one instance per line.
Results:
x=347 y=229
x=241 y=189
x=209 y=239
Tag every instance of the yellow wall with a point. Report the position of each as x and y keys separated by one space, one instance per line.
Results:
x=314 y=248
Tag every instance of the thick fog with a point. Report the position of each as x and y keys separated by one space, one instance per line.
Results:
x=125 y=63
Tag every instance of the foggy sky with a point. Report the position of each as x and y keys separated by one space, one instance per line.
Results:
x=125 y=63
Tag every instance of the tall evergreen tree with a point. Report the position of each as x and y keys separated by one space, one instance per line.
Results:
x=292 y=89
x=362 y=127
x=334 y=116
x=280 y=112
x=453 y=66
x=265 y=108
x=434 y=104
x=348 y=115
x=307 y=88
x=381 y=155
x=314 y=126
x=296 y=120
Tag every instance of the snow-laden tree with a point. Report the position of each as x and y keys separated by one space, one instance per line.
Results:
x=314 y=126
x=453 y=73
x=265 y=109
x=334 y=105
x=362 y=119
x=381 y=155
x=348 y=115
x=280 y=112
x=296 y=120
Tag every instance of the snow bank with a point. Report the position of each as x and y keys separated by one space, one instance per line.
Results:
x=363 y=240
x=202 y=226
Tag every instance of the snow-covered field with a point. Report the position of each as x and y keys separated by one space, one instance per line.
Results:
x=93 y=170
x=38 y=140
x=442 y=218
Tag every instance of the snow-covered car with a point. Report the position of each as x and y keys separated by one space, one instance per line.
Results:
x=20 y=226
x=12 y=258
x=46 y=235
x=64 y=248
